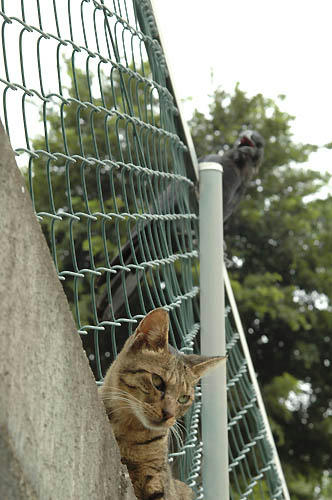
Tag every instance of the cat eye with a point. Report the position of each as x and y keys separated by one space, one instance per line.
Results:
x=158 y=382
x=183 y=399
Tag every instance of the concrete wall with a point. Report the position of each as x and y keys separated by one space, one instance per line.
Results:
x=55 y=439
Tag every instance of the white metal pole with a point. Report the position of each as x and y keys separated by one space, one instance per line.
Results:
x=253 y=377
x=214 y=398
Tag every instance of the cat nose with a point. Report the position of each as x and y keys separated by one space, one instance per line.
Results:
x=167 y=414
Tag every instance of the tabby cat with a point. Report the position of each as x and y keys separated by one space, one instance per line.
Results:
x=145 y=390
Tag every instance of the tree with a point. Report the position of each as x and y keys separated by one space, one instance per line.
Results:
x=93 y=179
x=279 y=241
x=79 y=130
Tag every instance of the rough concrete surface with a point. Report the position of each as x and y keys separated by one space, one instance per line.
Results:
x=55 y=440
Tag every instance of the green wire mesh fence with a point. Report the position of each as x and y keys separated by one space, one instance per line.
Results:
x=85 y=105
x=95 y=129
x=252 y=467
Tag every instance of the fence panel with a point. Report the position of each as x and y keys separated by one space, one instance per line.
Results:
x=88 y=109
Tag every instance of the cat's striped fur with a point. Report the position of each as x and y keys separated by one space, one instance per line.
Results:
x=145 y=390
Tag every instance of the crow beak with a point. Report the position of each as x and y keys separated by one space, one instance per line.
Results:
x=245 y=141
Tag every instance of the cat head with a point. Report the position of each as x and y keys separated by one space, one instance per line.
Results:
x=151 y=380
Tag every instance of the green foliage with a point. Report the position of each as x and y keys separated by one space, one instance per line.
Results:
x=80 y=129
x=276 y=395
x=268 y=298
x=280 y=240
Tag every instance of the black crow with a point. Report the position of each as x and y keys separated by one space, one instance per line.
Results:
x=240 y=164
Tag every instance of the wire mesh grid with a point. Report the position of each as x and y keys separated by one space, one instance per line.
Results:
x=252 y=470
x=88 y=113
x=87 y=110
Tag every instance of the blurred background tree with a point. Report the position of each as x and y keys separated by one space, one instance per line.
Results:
x=85 y=193
x=78 y=129
x=280 y=241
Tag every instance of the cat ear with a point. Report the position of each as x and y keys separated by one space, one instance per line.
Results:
x=200 y=365
x=152 y=332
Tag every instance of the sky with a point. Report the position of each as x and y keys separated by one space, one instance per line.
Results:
x=269 y=47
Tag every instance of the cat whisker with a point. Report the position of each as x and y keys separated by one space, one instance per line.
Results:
x=132 y=404
x=181 y=426
x=175 y=444
x=175 y=433
x=179 y=430
x=119 y=393
x=111 y=411
x=113 y=390
x=172 y=443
